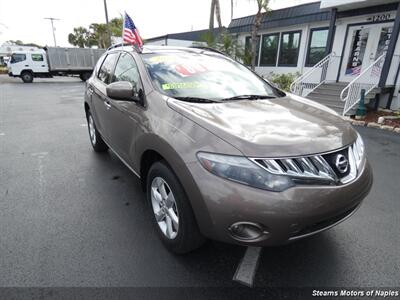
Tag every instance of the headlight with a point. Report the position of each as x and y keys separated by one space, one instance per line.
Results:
x=242 y=170
x=358 y=150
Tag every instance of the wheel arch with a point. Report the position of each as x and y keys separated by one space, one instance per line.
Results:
x=152 y=148
x=27 y=70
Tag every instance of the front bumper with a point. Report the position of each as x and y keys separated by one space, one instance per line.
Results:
x=283 y=216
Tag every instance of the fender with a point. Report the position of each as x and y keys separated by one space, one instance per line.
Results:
x=155 y=143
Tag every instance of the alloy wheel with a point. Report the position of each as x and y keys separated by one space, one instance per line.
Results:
x=92 y=130
x=164 y=207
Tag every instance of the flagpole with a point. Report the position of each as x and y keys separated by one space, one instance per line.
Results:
x=123 y=26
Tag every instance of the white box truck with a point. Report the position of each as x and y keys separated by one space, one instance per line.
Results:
x=53 y=61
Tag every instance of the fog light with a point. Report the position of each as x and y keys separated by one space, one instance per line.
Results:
x=246 y=231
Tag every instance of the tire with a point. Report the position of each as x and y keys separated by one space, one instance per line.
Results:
x=96 y=140
x=85 y=76
x=186 y=236
x=27 y=76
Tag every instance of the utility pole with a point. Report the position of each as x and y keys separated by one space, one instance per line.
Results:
x=53 y=30
x=108 y=25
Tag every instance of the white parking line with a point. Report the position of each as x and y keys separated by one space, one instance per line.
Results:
x=248 y=266
x=2 y=133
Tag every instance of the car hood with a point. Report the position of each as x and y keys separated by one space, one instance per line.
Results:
x=286 y=126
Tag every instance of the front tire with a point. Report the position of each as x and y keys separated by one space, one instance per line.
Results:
x=172 y=213
x=96 y=140
x=27 y=77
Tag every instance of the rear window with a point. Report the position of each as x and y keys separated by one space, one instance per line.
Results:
x=17 y=57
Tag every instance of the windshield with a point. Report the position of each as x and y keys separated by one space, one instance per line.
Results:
x=204 y=75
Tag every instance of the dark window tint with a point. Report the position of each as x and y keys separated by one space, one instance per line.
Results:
x=247 y=47
x=317 y=45
x=17 y=57
x=269 y=49
x=126 y=70
x=106 y=68
x=290 y=42
x=37 y=57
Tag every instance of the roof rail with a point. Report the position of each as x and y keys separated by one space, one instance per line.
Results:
x=118 y=45
x=208 y=49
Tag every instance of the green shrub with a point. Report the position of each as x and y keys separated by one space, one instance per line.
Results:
x=283 y=81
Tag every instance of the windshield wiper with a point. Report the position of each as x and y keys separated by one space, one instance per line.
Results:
x=248 y=97
x=196 y=99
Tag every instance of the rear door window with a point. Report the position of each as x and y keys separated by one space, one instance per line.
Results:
x=37 y=57
x=106 y=68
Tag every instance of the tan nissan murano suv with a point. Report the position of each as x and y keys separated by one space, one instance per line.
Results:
x=220 y=152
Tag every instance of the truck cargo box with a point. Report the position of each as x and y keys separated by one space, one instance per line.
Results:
x=72 y=59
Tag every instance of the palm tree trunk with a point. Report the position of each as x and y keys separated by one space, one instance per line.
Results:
x=212 y=12
x=254 y=39
x=218 y=13
x=231 y=10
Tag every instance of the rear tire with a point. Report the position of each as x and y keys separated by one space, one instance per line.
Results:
x=174 y=210
x=85 y=76
x=96 y=140
x=27 y=76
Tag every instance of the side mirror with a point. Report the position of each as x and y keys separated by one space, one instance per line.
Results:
x=124 y=90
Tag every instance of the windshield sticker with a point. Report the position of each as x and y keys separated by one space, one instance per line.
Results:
x=182 y=85
x=190 y=69
x=161 y=58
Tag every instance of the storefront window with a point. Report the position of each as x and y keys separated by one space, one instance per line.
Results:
x=248 y=47
x=290 y=43
x=317 y=46
x=269 y=49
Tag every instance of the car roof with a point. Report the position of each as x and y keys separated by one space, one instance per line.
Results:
x=149 y=49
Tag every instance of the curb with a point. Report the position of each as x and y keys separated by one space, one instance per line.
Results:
x=373 y=125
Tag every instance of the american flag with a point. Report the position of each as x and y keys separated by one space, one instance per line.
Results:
x=356 y=70
x=130 y=33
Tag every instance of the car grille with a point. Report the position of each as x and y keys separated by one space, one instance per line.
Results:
x=318 y=168
x=323 y=225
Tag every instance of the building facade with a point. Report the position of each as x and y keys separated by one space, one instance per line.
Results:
x=339 y=46
x=181 y=39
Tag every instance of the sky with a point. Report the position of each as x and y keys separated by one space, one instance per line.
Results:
x=24 y=20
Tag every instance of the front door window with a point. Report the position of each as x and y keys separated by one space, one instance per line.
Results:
x=364 y=45
x=384 y=40
x=357 y=51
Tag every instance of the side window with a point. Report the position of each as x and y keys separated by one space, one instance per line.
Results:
x=16 y=57
x=37 y=57
x=127 y=70
x=317 y=46
x=107 y=67
x=290 y=45
x=247 y=46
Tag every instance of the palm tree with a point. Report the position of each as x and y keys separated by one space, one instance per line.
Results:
x=262 y=6
x=80 y=37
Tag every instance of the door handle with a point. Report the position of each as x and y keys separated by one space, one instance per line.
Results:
x=43 y=65
x=107 y=104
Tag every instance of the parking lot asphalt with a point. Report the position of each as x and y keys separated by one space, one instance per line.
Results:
x=72 y=217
